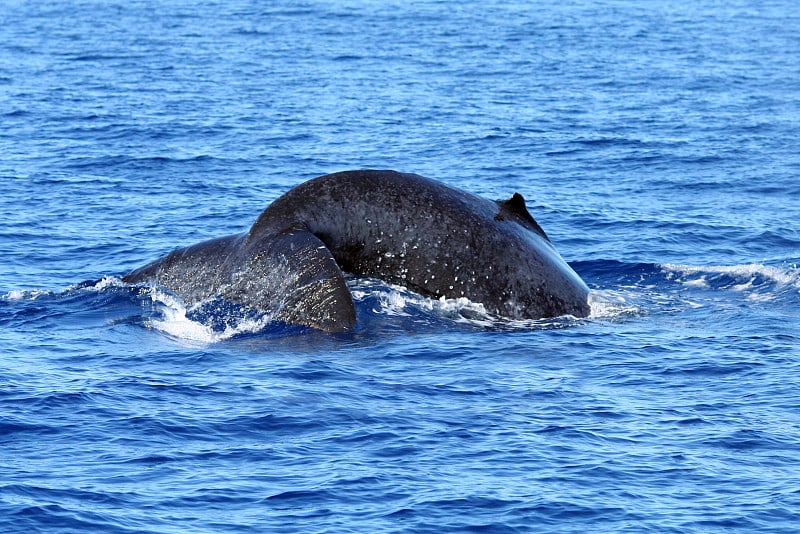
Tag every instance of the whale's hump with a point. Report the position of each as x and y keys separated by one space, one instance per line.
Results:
x=514 y=209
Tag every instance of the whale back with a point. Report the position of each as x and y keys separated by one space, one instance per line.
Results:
x=434 y=239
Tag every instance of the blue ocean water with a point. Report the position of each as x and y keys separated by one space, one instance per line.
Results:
x=658 y=144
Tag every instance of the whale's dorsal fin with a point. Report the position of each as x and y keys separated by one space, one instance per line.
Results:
x=294 y=275
x=514 y=209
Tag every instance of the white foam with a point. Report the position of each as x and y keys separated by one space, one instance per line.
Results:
x=106 y=282
x=782 y=275
x=607 y=304
x=701 y=282
x=394 y=300
x=25 y=294
x=174 y=321
x=747 y=279
x=397 y=301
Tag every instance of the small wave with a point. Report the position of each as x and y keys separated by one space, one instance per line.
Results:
x=95 y=286
x=757 y=281
x=782 y=275
x=629 y=289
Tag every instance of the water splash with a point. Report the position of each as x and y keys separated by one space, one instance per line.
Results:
x=758 y=282
x=205 y=323
x=25 y=294
x=612 y=304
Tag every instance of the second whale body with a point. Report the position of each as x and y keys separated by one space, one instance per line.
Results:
x=405 y=229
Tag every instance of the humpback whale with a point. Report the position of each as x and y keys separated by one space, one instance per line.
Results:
x=404 y=229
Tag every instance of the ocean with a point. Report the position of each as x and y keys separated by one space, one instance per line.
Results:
x=657 y=144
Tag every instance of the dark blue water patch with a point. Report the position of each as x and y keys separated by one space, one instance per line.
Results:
x=751 y=440
x=714 y=369
x=83 y=306
x=620 y=272
x=17 y=113
x=100 y=57
x=55 y=517
x=219 y=315
x=783 y=239
x=517 y=517
x=135 y=163
x=15 y=430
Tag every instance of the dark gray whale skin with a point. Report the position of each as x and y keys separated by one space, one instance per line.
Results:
x=404 y=229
